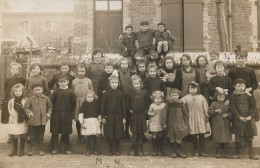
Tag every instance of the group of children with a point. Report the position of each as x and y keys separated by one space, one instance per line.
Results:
x=178 y=102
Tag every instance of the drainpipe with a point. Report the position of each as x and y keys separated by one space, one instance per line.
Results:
x=230 y=24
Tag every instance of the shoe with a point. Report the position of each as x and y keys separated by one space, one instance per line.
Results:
x=196 y=154
x=179 y=153
x=217 y=155
x=54 y=152
x=41 y=153
x=253 y=157
x=173 y=155
x=30 y=153
x=202 y=154
x=236 y=156
x=117 y=152
x=87 y=152
x=68 y=152
x=95 y=152
x=110 y=153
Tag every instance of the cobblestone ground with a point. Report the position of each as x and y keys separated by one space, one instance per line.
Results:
x=82 y=161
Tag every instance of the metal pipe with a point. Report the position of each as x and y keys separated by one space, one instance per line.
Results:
x=230 y=24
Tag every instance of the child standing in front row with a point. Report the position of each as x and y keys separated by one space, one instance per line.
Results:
x=175 y=119
x=113 y=113
x=243 y=109
x=220 y=114
x=155 y=122
x=81 y=85
x=88 y=118
x=198 y=116
x=38 y=108
x=64 y=102
x=138 y=104
x=17 y=121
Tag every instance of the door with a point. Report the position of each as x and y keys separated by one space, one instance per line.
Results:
x=108 y=25
x=184 y=18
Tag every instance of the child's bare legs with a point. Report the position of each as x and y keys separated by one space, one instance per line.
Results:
x=160 y=47
x=165 y=46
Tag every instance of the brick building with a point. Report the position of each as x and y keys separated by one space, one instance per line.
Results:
x=193 y=22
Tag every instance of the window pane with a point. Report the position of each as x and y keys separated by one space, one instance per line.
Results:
x=115 y=5
x=101 y=5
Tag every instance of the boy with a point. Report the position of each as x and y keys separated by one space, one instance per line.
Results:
x=38 y=108
x=244 y=72
x=145 y=40
x=64 y=102
x=127 y=44
x=243 y=110
x=113 y=113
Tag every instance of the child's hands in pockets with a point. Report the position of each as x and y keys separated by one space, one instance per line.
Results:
x=219 y=111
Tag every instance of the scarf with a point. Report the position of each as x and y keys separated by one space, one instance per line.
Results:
x=19 y=108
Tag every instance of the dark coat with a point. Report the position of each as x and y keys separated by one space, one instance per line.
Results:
x=113 y=109
x=243 y=105
x=9 y=83
x=64 y=102
x=153 y=84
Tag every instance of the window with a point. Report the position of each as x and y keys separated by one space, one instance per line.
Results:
x=105 y=5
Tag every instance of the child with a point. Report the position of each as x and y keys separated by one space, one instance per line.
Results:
x=220 y=114
x=198 y=116
x=243 y=109
x=184 y=76
x=175 y=118
x=214 y=57
x=64 y=102
x=15 y=69
x=127 y=44
x=38 y=108
x=81 y=85
x=113 y=112
x=88 y=118
x=65 y=70
x=144 y=40
x=153 y=81
x=163 y=39
x=18 y=119
x=244 y=72
x=138 y=104
x=141 y=70
x=95 y=69
x=155 y=122
x=220 y=80
x=202 y=69
x=36 y=78
x=168 y=72
x=125 y=80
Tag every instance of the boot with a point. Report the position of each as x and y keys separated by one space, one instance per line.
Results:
x=40 y=141
x=250 y=151
x=21 y=151
x=194 y=142
x=111 y=151
x=160 y=146
x=31 y=144
x=227 y=151
x=173 y=155
x=237 y=154
x=218 y=151
x=179 y=153
x=87 y=150
x=117 y=150
x=154 y=144
x=14 y=150
x=94 y=143
x=201 y=146
x=133 y=150
x=140 y=150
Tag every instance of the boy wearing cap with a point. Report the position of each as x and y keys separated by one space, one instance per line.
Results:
x=64 y=102
x=243 y=109
x=38 y=107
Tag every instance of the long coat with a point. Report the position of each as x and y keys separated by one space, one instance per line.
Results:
x=243 y=105
x=113 y=109
x=64 y=102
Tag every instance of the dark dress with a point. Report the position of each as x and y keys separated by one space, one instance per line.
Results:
x=55 y=78
x=153 y=84
x=64 y=102
x=243 y=105
x=113 y=109
x=138 y=101
x=95 y=72
x=175 y=115
x=9 y=83
x=89 y=109
x=220 y=125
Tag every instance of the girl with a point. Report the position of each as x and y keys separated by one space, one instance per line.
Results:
x=155 y=122
x=221 y=122
x=95 y=69
x=81 y=85
x=15 y=69
x=184 y=76
x=153 y=81
x=202 y=63
x=175 y=118
x=88 y=118
x=65 y=70
x=168 y=72
x=138 y=104
x=141 y=70
x=36 y=78
x=18 y=119
x=113 y=113
x=214 y=57
x=198 y=116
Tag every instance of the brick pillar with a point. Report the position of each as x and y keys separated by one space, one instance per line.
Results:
x=253 y=20
x=127 y=19
x=206 y=20
x=83 y=26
